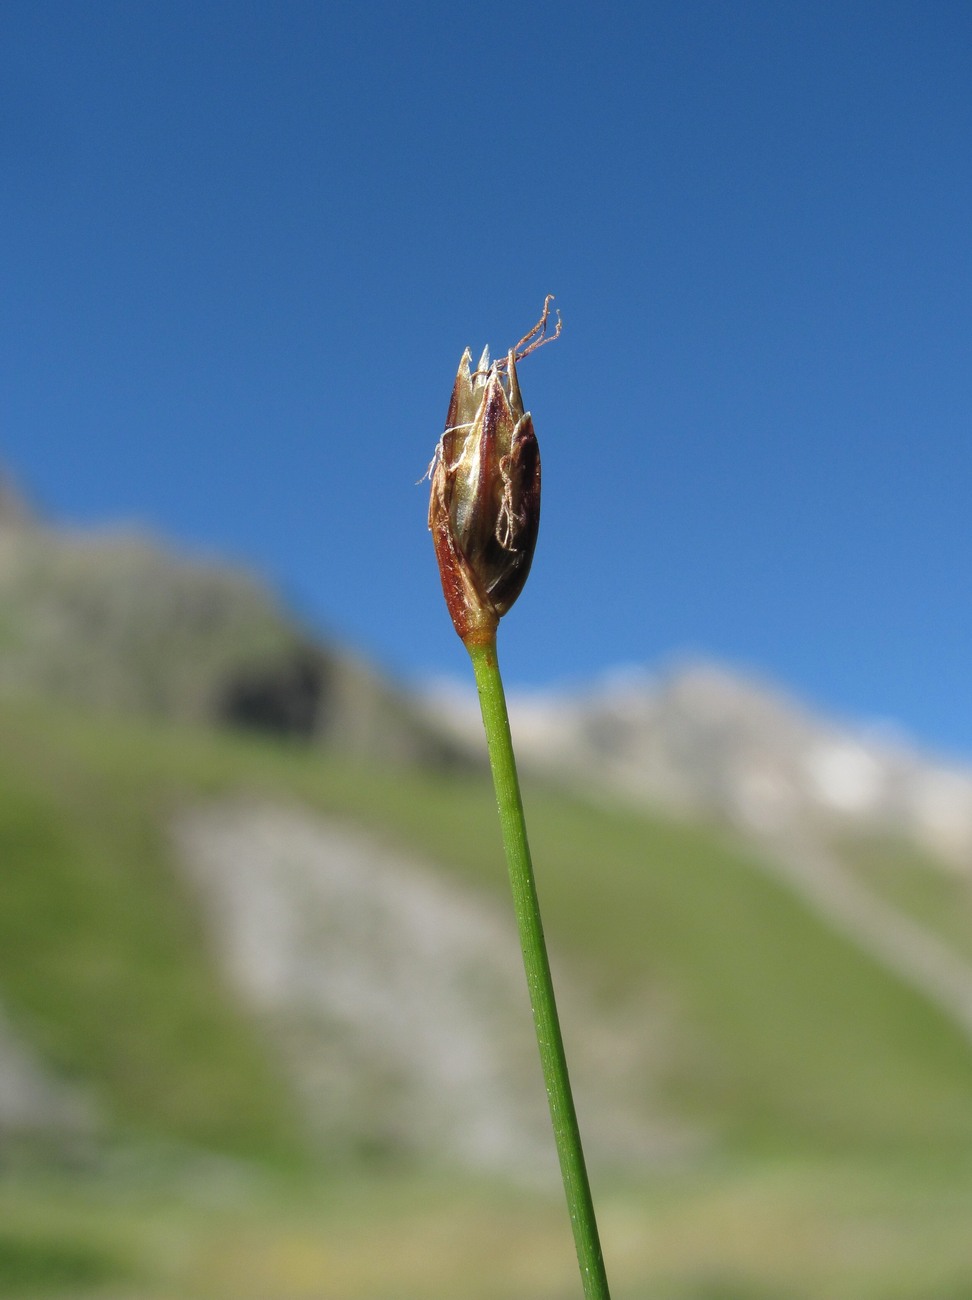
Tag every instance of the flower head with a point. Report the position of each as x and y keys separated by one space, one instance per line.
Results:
x=484 y=511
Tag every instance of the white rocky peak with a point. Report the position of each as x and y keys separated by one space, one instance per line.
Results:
x=702 y=738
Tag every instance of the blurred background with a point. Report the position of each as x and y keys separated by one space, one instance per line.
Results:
x=263 y=1027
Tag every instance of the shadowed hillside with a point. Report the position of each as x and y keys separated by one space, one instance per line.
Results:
x=111 y=620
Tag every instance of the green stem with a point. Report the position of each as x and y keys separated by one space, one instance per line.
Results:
x=566 y=1132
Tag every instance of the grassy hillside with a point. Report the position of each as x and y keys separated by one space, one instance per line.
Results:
x=102 y=964
x=115 y=621
x=765 y=1232
x=839 y=1105
x=786 y=1036
x=906 y=878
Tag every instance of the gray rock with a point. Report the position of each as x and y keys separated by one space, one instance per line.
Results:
x=34 y=1106
x=397 y=1001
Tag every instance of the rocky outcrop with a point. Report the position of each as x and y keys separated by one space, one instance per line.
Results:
x=38 y=1111
x=114 y=621
x=703 y=740
x=395 y=1000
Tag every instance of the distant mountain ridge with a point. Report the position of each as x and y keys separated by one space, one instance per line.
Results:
x=113 y=620
x=703 y=739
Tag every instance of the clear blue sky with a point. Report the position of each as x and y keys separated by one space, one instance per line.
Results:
x=244 y=244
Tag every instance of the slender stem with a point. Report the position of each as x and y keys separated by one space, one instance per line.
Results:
x=566 y=1132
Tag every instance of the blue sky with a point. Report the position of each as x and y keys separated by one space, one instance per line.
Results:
x=244 y=245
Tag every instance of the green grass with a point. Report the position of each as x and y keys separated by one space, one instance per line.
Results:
x=838 y=1103
x=912 y=882
x=42 y=1265
x=102 y=961
x=788 y=1037
x=756 y=1231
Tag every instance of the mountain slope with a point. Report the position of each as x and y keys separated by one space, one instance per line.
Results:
x=113 y=621
x=740 y=1017
x=811 y=794
x=103 y=968
x=703 y=739
x=720 y=989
